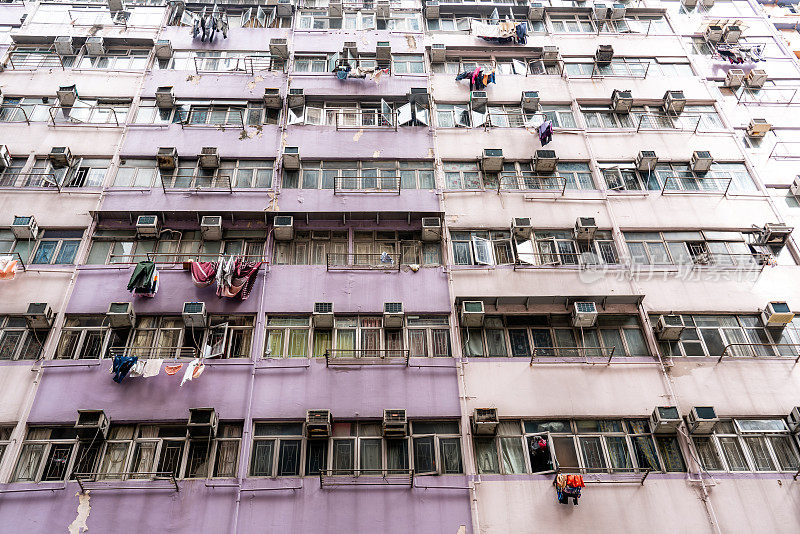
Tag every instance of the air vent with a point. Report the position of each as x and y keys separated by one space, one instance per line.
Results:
x=395 y=424
x=393 y=316
x=211 y=227
x=323 y=314
x=530 y=100
x=60 y=156
x=492 y=160
x=734 y=78
x=147 y=226
x=431 y=9
x=669 y=327
x=63 y=45
x=756 y=78
x=702 y=419
x=24 y=227
x=545 y=161
x=279 y=48
x=758 y=128
x=383 y=51
x=67 y=95
x=701 y=161
x=438 y=53
x=674 y=102
x=291 y=158
x=92 y=425
x=163 y=49
x=621 y=101
x=604 y=54
x=318 y=423
x=777 y=313
x=272 y=98
x=522 y=227
x=585 y=228
x=536 y=11
x=646 y=160
x=95 y=46
x=296 y=98
x=665 y=420
x=485 y=421
x=472 y=313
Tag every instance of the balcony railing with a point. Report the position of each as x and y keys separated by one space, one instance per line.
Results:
x=610 y=475
x=147 y=353
x=761 y=351
x=754 y=261
x=36 y=60
x=366 y=357
x=366 y=184
x=779 y=96
x=14 y=114
x=571 y=354
x=84 y=115
x=560 y=259
x=677 y=185
x=366 y=477
x=664 y=121
x=366 y=120
x=220 y=183
x=129 y=480
x=11 y=256
x=511 y=181
x=213 y=118
x=366 y=262
x=234 y=65
x=786 y=150
x=23 y=180
x=172 y=258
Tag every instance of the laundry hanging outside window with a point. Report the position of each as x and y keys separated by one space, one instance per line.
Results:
x=501 y=32
x=206 y=25
x=235 y=277
x=341 y=64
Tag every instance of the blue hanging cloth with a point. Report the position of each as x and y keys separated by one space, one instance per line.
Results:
x=122 y=366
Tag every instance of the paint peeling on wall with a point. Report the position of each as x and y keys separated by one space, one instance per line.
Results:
x=78 y=525
x=358 y=135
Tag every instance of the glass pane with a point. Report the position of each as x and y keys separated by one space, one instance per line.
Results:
x=708 y=453
x=450 y=450
x=486 y=455
x=670 y=453
x=343 y=456
x=520 y=346
x=370 y=454
x=424 y=456
x=513 y=455
x=760 y=453
x=785 y=452
x=618 y=452
x=734 y=455
x=397 y=454
x=316 y=456
x=592 y=452
x=261 y=463
x=55 y=467
x=289 y=458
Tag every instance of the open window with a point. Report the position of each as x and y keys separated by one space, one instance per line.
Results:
x=386 y=114
x=525 y=251
x=483 y=251
x=216 y=341
x=541 y=453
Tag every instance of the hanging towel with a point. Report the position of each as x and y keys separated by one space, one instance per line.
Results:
x=8 y=267
x=122 y=366
x=193 y=370
x=138 y=369
x=203 y=272
x=142 y=275
x=172 y=369
x=152 y=367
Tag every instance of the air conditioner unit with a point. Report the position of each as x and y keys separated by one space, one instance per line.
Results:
x=618 y=11
x=284 y=8
x=272 y=98
x=279 y=48
x=211 y=227
x=734 y=78
x=485 y=421
x=163 y=49
x=545 y=161
x=147 y=226
x=92 y=425
x=584 y=314
x=335 y=9
x=382 y=8
x=121 y=315
x=701 y=161
x=621 y=101
x=795 y=187
x=203 y=422
x=521 y=227
x=318 y=423
x=604 y=54
x=646 y=160
x=758 y=128
x=794 y=419
x=95 y=46
x=707 y=3
x=194 y=314
x=209 y=157
x=323 y=315
x=689 y=3
x=296 y=98
x=585 y=227
x=665 y=420
x=5 y=157
x=291 y=158
x=67 y=95
x=530 y=101
x=393 y=316
x=777 y=314
x=431 y=229
x=701 y=420
x=383 y=51
x=63 y=45
x=550 y=55
x=60 y=156
x=39 y=315
x=167 y=158
x=432 y=9
x=674 y=102
x=600 y=12
x=669 y=327
x=713 y=33
x=536 y=11
x=395 y=424
x=492 y=160
x=478 y=99
x=756 y=78
x=165 y=99
x=24 y=227
x=472 y=313
x=438 y=53
x=283 y=227
x=731 y=34
x=114 y=5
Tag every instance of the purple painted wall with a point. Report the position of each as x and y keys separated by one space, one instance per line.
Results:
x=323 y=142
x=150 y=200
x=329 y=85
x=313 y=200
x=233 y=142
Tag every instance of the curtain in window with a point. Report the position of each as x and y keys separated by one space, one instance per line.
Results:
x=592 y=452
x=370 y=454
x=785 y=452
x=473 y=342
x=450 y=450
x=145 y=457
x=225 y=464
x=708 y=454
x=424 y=458
x=618 y=452
x=733 y=453
x=114 y=458
x=261 y=464
x=396 y=455
x=486 y=455
x=670 y=452
x=343 y=456
x=28 y=463
x=513 y=455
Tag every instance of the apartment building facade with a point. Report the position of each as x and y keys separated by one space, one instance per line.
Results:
x=396 y=266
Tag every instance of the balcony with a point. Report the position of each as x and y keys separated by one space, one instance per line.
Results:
x=127 y=481
x=366 y=477
x=349 y=357
x=676 y=185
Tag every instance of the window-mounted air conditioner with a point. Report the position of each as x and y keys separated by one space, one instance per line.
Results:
x=774 y=234
x=600 y=12
x=95 y=46
x=646 y=160
x=618 y=11
x=485 y=421
x=60 y=156
x=279 y=48
x=584 y=314
x=67 y=95
x=165 y=98
x=702 y=419
x=701 y=161
x=674 y=102
x=794 y=419
x=689 y=3
x=713 y=33
x=24 y=227
x=283 y=227
x=296 y=98
x=777 y=314
x=550 y=55
x=382 y=8
x=438 y=53
x=115 y=6
x=92 y=425
x=121 y=315
x=5 y=157
x=545 y=161
x=272 y=98
x=731 y=34
x=536 y=11
x=478 y=99
x=395 y=424
x=163 y=49
x=167 y=158
x=756 y=78
x=318 y=423
x=472 y=313
x=284 y=8
x=431 y=229
x=63 y=45
x=665 y=420
x=291 y=158
x=521 y=227
x=621 y=101
x=758 y=128
x=530 y=101
x=323 y=315
x=39 y=315
x=669 y=327
x=585 y=228
x=147 y=226
x=393 y=316
x=383 y=51
x=492 y=160
x=432 y=9
x=209 y=157
x=734 y=78
x=194 y=314
x=211 y=227
x=795 y=187
x=604 y=54
x=335 y=9
x=203 y=422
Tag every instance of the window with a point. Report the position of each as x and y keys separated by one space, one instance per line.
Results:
x=362 y=176
x=287 y=337
x=47 y=455
x=17 y=341
x=462 y=175
x=436 y=447
x=721 y=249
x=307 y=63
x=86 y=337
x=116 y=59
x=237 y=62
x=722 y=177
x=428 y=336
x=311 y=247
x=748 y=445
x=408 y=64
x=578 y=23
x=553 y=336
x=56 y=247
x=33 y=57
x=402 y=22
x=207 y=113
x=276 y=449
x=361 y=447
x=243 y=174
x=5 y=439
x=648 y=24
x=521 y=176
x=84 y=172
